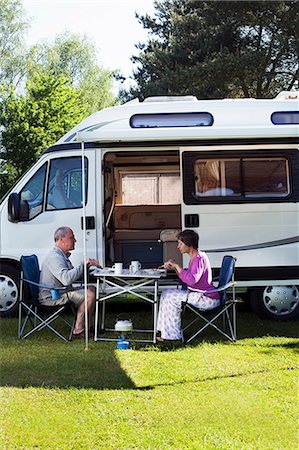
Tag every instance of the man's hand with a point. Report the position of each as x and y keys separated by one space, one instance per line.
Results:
x=92 y=262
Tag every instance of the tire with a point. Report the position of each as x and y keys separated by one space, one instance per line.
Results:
x=279 y=303
x=9 y=290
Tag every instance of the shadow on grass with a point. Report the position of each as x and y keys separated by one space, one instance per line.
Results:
x=215 y=378
x=43 y=360
x=250 y=326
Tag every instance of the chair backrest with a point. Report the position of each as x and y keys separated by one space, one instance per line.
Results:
x=30 y=268
x=226 y=274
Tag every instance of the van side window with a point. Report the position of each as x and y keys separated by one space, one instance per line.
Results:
x=217 y=177
x=65 y=184
x=266 y=177
x=244 y=177
x=33 y=192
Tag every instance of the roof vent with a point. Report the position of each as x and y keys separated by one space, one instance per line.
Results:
x=288 y=95
x=171 y=98
x=134 y=100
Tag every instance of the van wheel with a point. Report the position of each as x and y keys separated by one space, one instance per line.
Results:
x=9 y=290
x=275 y=302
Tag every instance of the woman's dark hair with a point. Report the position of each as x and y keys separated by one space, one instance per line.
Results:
x=189 y=238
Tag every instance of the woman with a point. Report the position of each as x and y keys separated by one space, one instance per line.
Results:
x=197 y=276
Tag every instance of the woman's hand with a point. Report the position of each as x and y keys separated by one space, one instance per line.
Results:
x=168 y=264
x=171 y=264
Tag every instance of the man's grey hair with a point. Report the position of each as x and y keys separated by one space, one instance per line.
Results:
x=60 y=233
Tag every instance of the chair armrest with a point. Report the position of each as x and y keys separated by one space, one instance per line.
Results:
x=63 y=288
x=222 y=288
x=55 y=292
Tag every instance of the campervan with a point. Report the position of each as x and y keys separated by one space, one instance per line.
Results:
x=129 y=177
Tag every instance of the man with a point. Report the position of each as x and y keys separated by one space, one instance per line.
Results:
x=57 y=271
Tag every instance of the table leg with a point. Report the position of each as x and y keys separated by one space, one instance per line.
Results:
x=103 y=314
x=96 y=318
x=155 y=310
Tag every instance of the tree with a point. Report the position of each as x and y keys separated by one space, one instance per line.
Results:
x=61 y=84
x=12 y=50
x=34 y=121
x=74 y=56
x=218 y=49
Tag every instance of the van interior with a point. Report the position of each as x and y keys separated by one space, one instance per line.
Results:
x=142 y=206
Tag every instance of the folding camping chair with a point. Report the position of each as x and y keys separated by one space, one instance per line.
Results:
x=32 y=315
x=226 y=309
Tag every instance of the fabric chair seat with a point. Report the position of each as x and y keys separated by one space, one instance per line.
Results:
x=33 y=316
x=226 y=310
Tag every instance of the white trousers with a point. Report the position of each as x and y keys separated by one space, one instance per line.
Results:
x=170 y=308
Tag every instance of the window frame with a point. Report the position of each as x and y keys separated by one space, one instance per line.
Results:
x=278 y=116
x=163 y=120
x=121 y=171
x=188 y=173
x=51 y=162
x=45 y=167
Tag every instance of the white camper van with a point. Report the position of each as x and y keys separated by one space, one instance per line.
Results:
x=228 y=169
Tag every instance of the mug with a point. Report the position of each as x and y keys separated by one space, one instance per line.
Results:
x=118 y=268
x=135 y=266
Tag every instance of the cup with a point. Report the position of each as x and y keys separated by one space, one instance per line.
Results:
x=135 y=266
x=118 y=268
x=55 y=294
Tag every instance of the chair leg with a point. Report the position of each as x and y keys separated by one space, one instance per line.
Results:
x=33 y=317
x=230 y=334
x=230 y=326
x=20 y=319
x=27 y=318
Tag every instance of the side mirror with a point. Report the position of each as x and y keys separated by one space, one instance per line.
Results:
x=17 y=208
x=14 y=207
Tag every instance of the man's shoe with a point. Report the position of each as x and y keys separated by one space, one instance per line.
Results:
x=78 y=335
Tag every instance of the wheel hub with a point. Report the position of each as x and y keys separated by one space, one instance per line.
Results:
x=8 y=293
x=281 y=300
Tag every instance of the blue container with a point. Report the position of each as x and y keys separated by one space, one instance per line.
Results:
x=55 y=294
x=123 y=344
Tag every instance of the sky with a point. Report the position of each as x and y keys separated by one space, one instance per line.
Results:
x=110 y=24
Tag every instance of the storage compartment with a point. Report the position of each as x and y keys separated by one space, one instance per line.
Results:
x=149 y=253
x=136 y=232
x=146 y=217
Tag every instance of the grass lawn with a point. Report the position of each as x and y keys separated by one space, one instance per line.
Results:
x=209 y=395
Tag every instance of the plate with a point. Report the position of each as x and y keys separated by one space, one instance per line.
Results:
x=150 y=271
x=103 y=270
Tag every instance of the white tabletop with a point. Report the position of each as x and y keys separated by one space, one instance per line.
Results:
x=143 y=273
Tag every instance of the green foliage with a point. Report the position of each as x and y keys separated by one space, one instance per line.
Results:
x=209 y=396
x=36 y=120
x=43 y=92
x=74 y=56
x=218 y=49
x=12 y=30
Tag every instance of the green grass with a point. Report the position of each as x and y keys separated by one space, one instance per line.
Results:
x=209 y=395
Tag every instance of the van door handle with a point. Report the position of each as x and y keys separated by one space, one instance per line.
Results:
x=89 y=221
x=191 y=220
